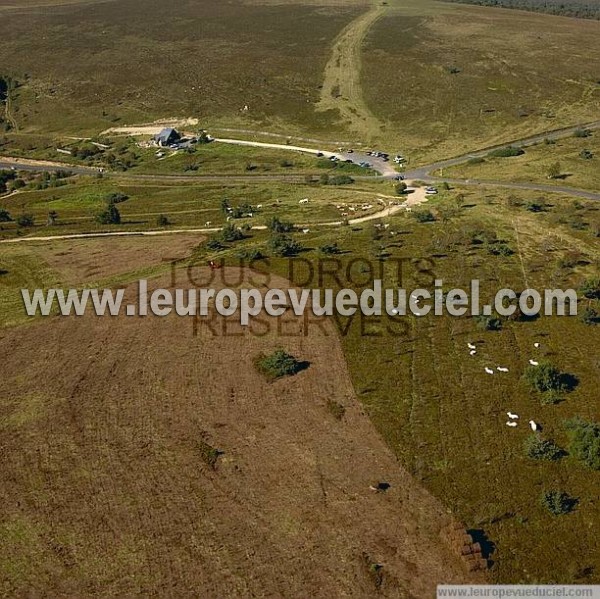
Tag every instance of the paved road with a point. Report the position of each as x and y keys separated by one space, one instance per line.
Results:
x=424 y=172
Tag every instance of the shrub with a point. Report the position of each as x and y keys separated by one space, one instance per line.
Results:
x=551 y=398
x=508 y=152
x=330 y=248
x=162 y=220
x=337 y=410
x=341 y=180
x=231 y=233
x=278 y=364
x=401 y=188
x=535 y=206
x=5 y=216
x=584 y=438
x=582 y=133
x=489 y=323
x=538 y=448
x=590 y=316
x=250 y=254
x=586 y=154
x=284 y=245
x=215 y=245
x=558 y=502
x=476 y=160
x=109 y=216
x=116 y=197
x=25 y=220
x=591 y=288
x=501 y=249
x=278 y=226
x=554 y=170
x=545 y=377
x=424 y=216
x=208 y=453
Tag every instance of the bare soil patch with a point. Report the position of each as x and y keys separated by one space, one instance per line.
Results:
x=109 y=490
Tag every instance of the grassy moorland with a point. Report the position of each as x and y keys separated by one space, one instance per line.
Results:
x=572 y=161
x=205 y=59
x=462 y=77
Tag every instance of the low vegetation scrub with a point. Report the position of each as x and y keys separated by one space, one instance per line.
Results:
x=208 y=453
x=538 y=448
x=581 y=133
x=508 y=152
x=336 y=409
x=330 y=249
x=278 y=364
x=584 y=441
x=558 y=502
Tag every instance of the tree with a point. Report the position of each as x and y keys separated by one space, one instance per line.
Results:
x=401 y=188
x=109 y=216
x=278 y=226
x=52 y=218
x=230 y=233
x=25 y=220
x=283 y=245
x=584 y=440
x=554 y=170
x=5 y=216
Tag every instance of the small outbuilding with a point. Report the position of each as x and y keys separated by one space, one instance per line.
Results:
x=167 y=137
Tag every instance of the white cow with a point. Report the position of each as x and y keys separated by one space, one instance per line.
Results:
x=489 y=370
x=511 y=424
x=534 y=363
x=512 y=416
x=501 y=369
x=534 y=426
x=471 y=346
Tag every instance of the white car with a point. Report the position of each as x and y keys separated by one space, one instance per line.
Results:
x=431 y=191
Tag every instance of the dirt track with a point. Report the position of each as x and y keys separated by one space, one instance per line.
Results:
x=105 y=489
x=342 y=89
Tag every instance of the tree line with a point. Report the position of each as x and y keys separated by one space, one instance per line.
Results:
x=581 y=9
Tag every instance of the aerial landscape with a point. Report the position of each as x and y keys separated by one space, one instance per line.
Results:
x=264 y=149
